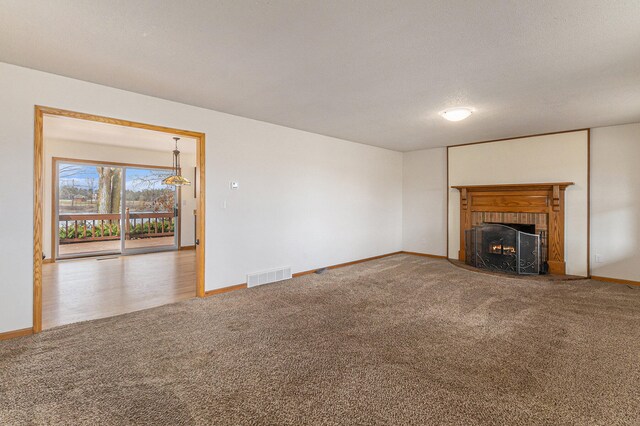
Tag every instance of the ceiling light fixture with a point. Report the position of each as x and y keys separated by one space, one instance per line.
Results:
x=456 y=114
x=176 y=179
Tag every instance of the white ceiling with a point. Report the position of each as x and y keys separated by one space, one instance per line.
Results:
x=371 y=71
x=56 y=127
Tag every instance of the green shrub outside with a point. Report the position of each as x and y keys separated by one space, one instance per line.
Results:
x=73 y=232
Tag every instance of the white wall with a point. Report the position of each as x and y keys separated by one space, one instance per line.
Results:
x=615 y=201
x=424 y=201
x=559 y=157
x=304 y=201
x=98 y=152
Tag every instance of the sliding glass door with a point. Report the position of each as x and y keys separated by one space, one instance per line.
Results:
x=150 y=211
x=88 y=204
x=110 y=209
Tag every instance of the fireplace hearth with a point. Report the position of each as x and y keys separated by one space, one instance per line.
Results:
x=503 y=248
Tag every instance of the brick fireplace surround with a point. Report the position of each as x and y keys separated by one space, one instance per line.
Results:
x=539 y=204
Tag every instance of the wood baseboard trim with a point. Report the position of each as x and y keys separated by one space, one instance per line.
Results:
x=311 y=271
x=16 y=333
x=615 y=280
x=342 y=265
x=433 y=256
x=224 y=289
x=187 y=248
x=44 y=261
x=298 y=274
x=557 y=268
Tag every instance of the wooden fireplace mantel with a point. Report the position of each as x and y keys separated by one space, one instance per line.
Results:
x=519 y=198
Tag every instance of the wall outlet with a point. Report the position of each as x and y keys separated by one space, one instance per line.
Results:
x=599 y=258
x=235 y=185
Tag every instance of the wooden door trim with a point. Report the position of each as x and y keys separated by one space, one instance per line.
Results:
x=38 y=194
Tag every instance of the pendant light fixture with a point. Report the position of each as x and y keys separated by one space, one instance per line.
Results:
x=176 y=179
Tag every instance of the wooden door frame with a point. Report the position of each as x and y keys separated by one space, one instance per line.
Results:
x=38 y=194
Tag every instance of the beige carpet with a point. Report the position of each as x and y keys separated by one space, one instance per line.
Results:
x=401 y=340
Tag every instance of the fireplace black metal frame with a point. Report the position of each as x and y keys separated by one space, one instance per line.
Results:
x=520 y=255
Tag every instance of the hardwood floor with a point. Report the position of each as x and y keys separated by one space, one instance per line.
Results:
x=80 y=290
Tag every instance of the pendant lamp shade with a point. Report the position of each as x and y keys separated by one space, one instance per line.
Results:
x=176 y=179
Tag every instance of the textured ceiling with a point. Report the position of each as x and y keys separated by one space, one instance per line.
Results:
x=71 y=129
x=376 y=72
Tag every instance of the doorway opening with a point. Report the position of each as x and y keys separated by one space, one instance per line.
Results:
x=101 y=197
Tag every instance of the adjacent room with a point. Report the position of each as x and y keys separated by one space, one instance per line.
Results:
x=117 y=238
x=339 y=212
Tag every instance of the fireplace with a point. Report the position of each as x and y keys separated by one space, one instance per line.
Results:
x=529 y=208
x=503 y=248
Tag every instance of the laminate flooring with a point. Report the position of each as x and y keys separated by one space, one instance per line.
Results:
x=87 y=289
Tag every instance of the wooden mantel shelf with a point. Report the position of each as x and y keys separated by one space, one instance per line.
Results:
x=538 y=198
x=515 y=187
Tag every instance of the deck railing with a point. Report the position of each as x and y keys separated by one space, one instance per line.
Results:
x=79 y=228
